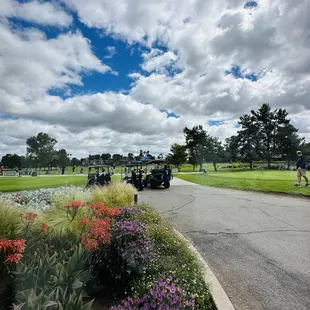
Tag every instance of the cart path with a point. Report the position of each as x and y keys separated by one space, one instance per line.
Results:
x=257 y=245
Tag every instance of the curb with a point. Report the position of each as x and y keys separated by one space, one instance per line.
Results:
x=220 y=298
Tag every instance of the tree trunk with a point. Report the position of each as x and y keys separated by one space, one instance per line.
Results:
x=200 y=166
x=269 y=164
x=251 y=164
x=214 y=165
x=288 y=164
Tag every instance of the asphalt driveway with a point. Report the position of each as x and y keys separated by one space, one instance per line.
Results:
x=257 y=245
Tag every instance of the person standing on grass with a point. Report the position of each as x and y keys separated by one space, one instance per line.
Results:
x=301 y=169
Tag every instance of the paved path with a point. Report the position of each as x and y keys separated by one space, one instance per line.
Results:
x=257 y=245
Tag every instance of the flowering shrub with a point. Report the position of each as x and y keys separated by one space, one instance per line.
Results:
x=163 y=296
x=42 y=199
x=100 y=209
x=131 y=242
x=128 y=213
x=128 y=254
x=13 y=249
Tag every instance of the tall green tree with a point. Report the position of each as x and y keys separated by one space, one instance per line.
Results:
x=75 y=161
x=106 y=156
x=62 y=158
x=247 y=139
x=214 y=151
x=232 y=149
x=268 y=124
x=117 y=158
x=288 y=142
x=177 y=155
x=196 y=142
x=12 y=161
x=41 y=148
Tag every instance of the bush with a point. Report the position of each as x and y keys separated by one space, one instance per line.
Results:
x=163 y=296
x=126 y=257
x=49 y=279
x=114 y=195
x=128 y=213
x=10 y=219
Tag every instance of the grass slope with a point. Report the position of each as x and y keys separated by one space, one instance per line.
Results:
x=12 y=184
x=266 y=181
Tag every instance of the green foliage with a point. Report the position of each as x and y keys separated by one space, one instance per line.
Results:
x=12 y=160
x=41 y=148
x=177 y=155
x=114 y=195
x=10 y=220
x=52 y=279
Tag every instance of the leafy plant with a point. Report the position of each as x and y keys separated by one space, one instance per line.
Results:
x=52 y=279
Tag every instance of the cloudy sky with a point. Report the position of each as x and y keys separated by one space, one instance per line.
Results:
x=124 y=75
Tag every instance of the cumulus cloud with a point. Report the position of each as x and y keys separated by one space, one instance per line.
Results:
x=188 y=47
x=44 y=13
x=31 y=64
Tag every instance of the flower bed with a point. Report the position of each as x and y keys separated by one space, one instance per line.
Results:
x=76 y=249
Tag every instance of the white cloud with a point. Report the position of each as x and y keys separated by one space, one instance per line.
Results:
x=111 y=52
x=202 y=39
x=45 y=13
x=30 y=64
x=156 y=60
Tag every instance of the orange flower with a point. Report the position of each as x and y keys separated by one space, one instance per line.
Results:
x=89 y=243
x=13 y=258
x=75 y=204
x=31 y=216
x=101 y=209
x=44 y=228
x=100 y=229
x=84 y=221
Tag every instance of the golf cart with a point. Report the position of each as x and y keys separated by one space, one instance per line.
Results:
x=126 y=170
x=99 y=175
x=157 y=174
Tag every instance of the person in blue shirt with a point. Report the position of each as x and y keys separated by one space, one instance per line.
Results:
x=301 y=169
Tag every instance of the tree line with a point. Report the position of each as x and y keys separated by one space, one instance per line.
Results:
x=42 y=153
x=264 y=135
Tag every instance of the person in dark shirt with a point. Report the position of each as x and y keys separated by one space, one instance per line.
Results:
x=301 y=169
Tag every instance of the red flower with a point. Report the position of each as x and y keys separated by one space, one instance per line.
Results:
x=31 y=216
x=84 y=221
x=11 y=246
x=13 y=258
x=44 y=228
x=89 y=243
x=75 y=204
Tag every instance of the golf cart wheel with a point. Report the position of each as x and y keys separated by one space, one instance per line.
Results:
x=153 y=184
x=167 y=184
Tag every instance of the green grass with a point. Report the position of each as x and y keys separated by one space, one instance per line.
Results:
x=12 y=184
x=264 y=181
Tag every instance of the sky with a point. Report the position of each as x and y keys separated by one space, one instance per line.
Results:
x=123 y=75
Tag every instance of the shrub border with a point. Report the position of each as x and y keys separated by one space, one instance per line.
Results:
x=218 y=294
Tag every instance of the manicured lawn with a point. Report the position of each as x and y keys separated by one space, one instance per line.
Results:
x=266 y=181
x=12 y=184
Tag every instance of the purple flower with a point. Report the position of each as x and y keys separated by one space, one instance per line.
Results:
x=162 y=296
